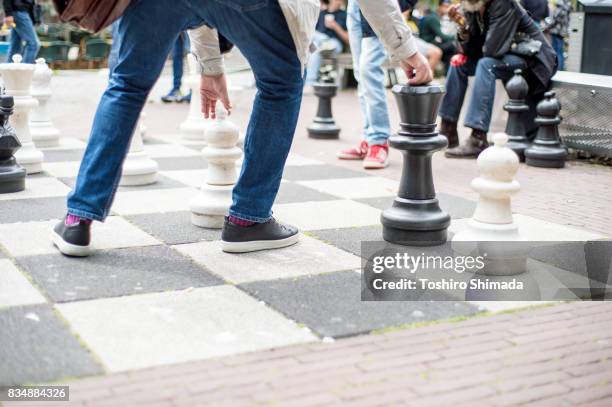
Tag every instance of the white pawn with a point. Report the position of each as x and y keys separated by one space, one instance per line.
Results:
x=193 y=128
x=44 y=134
x=492 y=220
x=138 y=168
x=17 y=81
x=141 y=127
x=211 y=205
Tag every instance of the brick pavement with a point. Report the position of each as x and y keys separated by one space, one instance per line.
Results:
x=559 y=355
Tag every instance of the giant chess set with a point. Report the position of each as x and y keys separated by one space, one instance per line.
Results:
x=161 y=245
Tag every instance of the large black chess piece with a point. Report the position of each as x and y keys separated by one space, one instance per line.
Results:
x=12 y=176
x=517 y=89
x=324 y=126
x=415 y=217
x=547 y=150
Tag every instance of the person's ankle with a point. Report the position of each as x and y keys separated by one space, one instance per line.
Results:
x=240 y=222
x=73 y=220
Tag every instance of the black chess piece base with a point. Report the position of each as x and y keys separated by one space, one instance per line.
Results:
x=12 y=177
x=324 y=126
x=415 y=222
x=549 y=157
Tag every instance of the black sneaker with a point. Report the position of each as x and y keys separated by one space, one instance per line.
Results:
x=261 y=236
x=72 y=240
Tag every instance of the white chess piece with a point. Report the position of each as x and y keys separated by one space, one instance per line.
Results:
x=492 y=220
x=17 y=81
x=193 y=128
x=211 y=205
x=140 y=126
x=138 y=168
x=44 y=134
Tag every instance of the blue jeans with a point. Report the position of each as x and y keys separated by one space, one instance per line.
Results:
x=23 y=32
x=368 y=56
x=314 y=63
x=145 y=36
x=486 y=70
x=178 y=55
x=558 y=45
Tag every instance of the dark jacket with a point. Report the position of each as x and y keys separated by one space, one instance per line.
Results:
x=10 y=6
x=537 y=9
x=367 y=31
x=492 y=35
x=430 y=30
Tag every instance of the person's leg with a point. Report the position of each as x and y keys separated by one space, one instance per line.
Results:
x=145 y=35
x=314 y=62
x=559 y=46
x=488 y=70
x=456 y=86
x=177 y=61
x=353 y=23
x=16 y=42
x=279 y=80
x=25 y=28
x=373 y=81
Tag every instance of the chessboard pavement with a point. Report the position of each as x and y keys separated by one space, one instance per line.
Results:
x=160 y=292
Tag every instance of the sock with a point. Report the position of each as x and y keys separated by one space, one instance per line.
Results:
x=241 y=222
x=73 y=220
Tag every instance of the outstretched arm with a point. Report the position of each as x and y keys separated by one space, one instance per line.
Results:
x=386 y=20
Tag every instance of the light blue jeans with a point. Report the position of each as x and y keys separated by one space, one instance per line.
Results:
x=486 y=71
x=314 y=63
x=144 y=37
x=368 y=57
x=23 y=32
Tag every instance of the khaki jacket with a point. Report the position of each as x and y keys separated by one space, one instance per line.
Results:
x=301 y=15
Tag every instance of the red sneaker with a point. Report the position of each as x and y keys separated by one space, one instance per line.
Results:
x=354 y=153
x=377 y=157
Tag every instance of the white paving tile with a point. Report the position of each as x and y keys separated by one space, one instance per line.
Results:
x=68 y=143
x=64 y=169
x=355 y=188
x=15 y=289
x=538 y=230
x=33 y=238
x=39 y=187
x=298 y=160
x=327 y=214
x=170 y=150
x=193 y=178
x=153 y=201
x=309 y=256
x=139 y=331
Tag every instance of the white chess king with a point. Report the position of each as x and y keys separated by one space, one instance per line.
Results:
x=138 y=168
x=211 y=205
x=17 y=81
x=193 y=128
x=44 y=134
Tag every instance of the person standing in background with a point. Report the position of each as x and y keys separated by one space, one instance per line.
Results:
x=430 y=30
x=20 y=17
x=178 y=56
x=558 y=28
x=331 y=31
x=368 y=57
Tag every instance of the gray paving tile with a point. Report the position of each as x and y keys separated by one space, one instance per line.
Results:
x=37 y=209
x=317 y=172
x=37 y=347
x=112 y=273
x=349 y=239
x=162 y=183
x=455 y=206
x=53 y=156
x=196 y=146
x=291 y=192
x=173 y=227
x=330 y=304
x=180 y=163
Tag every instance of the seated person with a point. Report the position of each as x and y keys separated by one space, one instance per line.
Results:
x=331 y=32
x=431 y=52
x=430 y=30
x=537 y=9
x=487 y=35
